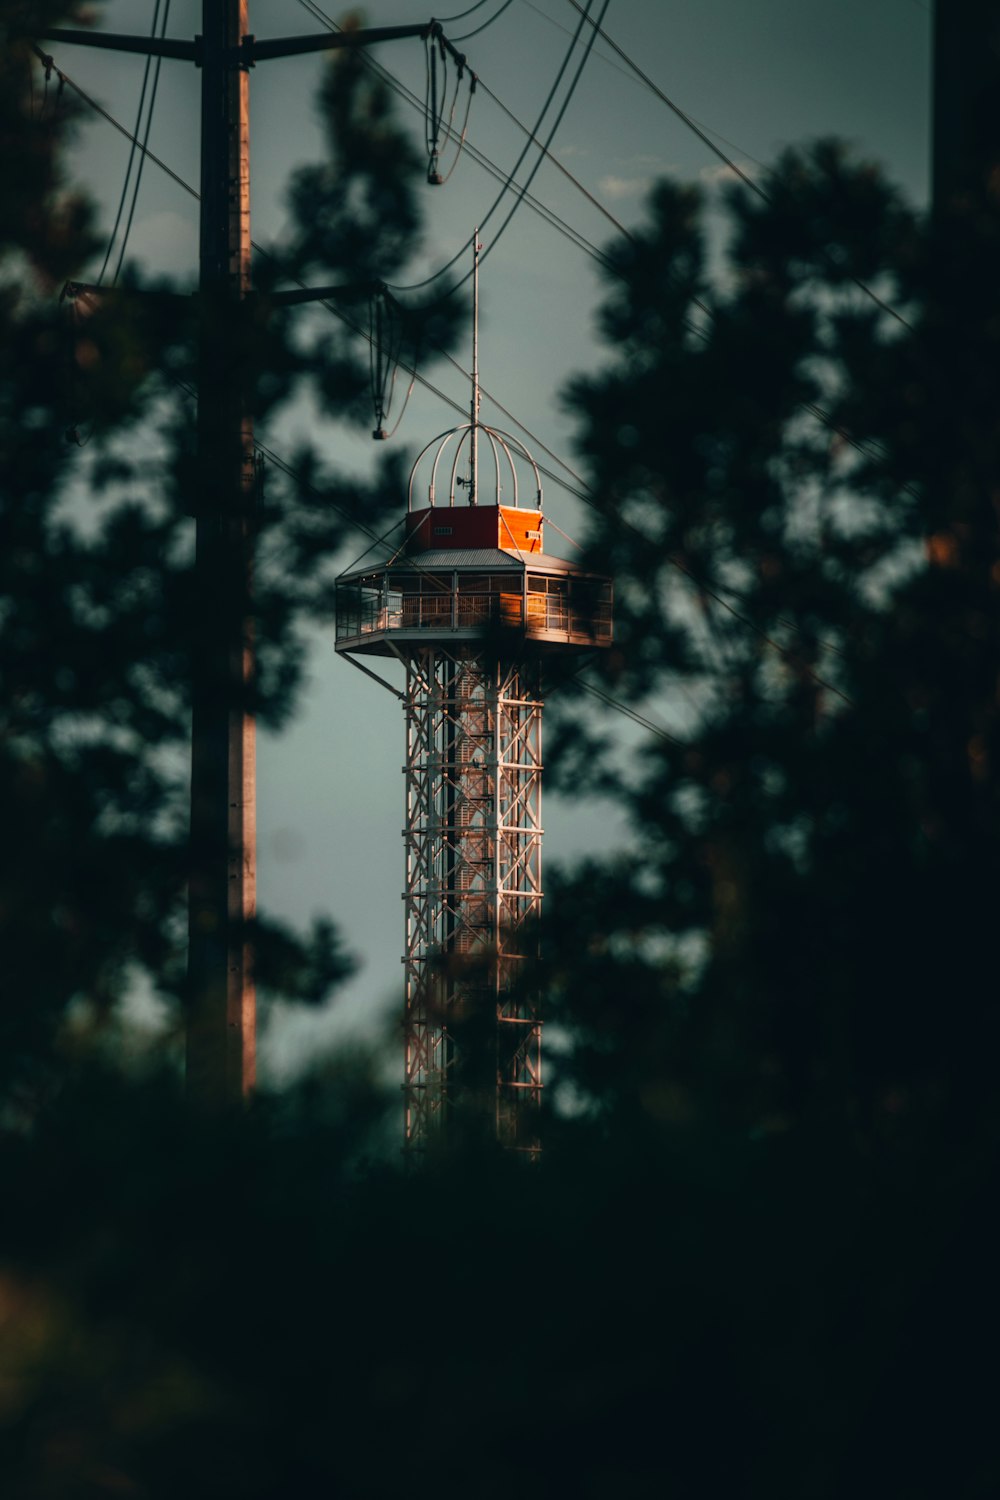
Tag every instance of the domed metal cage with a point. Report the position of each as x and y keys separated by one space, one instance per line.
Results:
x=502 y=447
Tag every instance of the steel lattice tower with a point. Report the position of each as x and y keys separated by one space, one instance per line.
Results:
x=473 y=881
x=471 y=606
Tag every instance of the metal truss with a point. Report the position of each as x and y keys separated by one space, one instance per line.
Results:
x=473 y=881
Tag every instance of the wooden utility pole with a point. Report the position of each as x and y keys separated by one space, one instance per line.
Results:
x=221 y=998
x=221 y=1006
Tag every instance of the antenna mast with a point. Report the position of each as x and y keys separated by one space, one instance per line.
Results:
x=474 y=409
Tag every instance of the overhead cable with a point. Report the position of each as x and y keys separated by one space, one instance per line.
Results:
x=754 y=187
x=630 y=713
x=99 y=109
x=467 y=34
x=588 y=47
x=638 y=83
x=542 y=209
x=606 y=698
x=142 y=153
x=485 y=218
x=132 y=149
x=461 y=15
x=595 y=202
x=579 y=490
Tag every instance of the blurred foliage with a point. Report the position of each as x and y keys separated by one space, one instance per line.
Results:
x=756 y=1258
x=794 y=461
x=99 y=616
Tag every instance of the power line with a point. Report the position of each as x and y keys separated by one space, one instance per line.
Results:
x=579 y=491
x=99 y=109
x=606 y=698
x=574 y=236
x=483 y=160
x=466 y=35
x=680 y=113
x=754 y=187
x=145 y=143
x=822 y=416
x=608 y=61
x=132 y=149
x=624 y=72
x=557 y=163
x=542 y=209
x=544 y=151
x=630 y=713
x=827 y=421
x=484 y=219
x=446 y=20
x=553 y=219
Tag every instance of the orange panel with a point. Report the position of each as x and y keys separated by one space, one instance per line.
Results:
x=520 y=530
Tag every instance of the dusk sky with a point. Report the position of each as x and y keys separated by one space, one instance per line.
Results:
x=756 y=77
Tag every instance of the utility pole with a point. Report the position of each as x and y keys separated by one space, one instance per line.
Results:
x=221 y=998
x=221 y=1002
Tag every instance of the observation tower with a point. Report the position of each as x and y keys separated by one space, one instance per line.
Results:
x=471 y=605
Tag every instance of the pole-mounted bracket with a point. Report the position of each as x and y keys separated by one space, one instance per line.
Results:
x=252 y=49
x=73 y=289
x=148 y=46
x=322 y=294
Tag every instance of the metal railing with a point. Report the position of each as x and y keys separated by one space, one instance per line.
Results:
x=376 y=613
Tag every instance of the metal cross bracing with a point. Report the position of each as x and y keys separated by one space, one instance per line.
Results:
x=473 y=884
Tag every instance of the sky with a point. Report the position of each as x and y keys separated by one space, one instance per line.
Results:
x=758 y=77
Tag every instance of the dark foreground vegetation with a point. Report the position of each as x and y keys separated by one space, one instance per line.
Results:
x=758 y=1256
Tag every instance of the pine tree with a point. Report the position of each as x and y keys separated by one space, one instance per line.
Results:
x=96 y=483
x=792 y=460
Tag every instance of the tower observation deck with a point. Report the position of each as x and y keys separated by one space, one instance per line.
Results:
x=471 y=605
